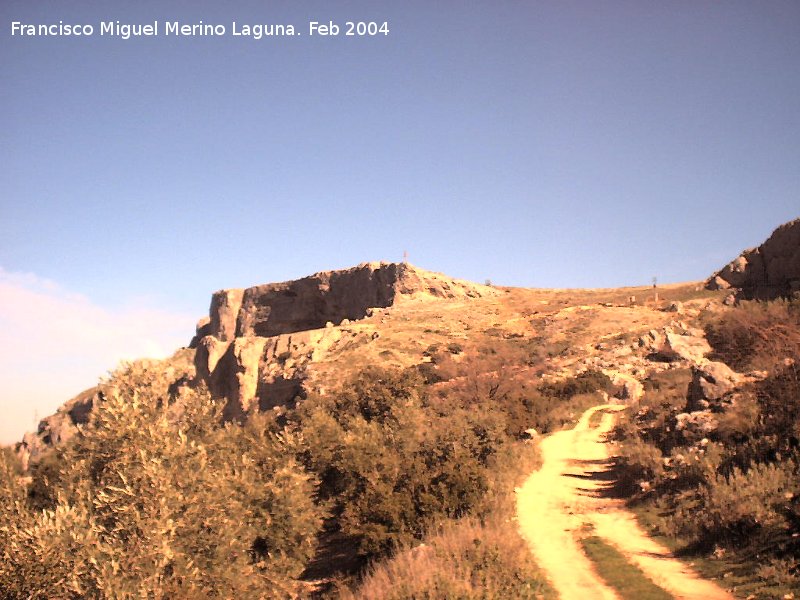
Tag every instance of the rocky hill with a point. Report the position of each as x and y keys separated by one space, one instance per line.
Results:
x=262 y=347
x=388 y=394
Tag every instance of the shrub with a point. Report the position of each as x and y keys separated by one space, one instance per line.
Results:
x=500 y=392
x=583 y=383
x=390 y=462
x=468 y=558
x=45 y=477
x=778 y=398
x=745 y=504
x=639 y=463
x=159 y=500
x=755 y=335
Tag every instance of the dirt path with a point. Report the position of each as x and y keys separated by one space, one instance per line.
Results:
x=558 y=501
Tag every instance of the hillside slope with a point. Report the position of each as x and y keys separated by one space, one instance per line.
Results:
x=415 y=310
x=314 y=425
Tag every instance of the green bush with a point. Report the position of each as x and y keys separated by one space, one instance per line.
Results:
x=583 y=383
x=476 y=557
x=158 y=500
x=640 y=463
x=744 y=505
x=389 y=463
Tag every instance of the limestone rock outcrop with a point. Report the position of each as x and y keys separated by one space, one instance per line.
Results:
x=711 y=381
x=58 y=427
x=769 y=271
x=692 y=348
x=256 y=343
x=309 y=303
x=676 y=342
x=255 y=346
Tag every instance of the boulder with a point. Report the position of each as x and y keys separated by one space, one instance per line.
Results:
x=710 y=382
x=675 y=307
x=652 y=340
x=696 y=424
x=692 y=348
x=716 y=282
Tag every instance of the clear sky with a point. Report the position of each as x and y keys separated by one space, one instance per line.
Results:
x=534 y=143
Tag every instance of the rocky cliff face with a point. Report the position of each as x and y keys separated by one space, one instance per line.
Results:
x=331 y=296
x=769 y=271
x=255 y=344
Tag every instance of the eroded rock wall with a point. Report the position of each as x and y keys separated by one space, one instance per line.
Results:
x=309 y=303
x=256 y=343
x=769 y=271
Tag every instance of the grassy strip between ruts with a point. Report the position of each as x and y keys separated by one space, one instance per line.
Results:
x=618 y=573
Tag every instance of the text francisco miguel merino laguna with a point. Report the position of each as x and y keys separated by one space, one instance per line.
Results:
x=176 y=28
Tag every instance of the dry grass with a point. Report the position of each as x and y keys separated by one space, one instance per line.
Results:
x=549 y=300
x=756 y=335
x=406 y=330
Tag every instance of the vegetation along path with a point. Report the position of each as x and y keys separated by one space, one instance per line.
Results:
x=564 y=500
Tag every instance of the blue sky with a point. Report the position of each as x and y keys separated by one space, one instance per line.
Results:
x=544 y=144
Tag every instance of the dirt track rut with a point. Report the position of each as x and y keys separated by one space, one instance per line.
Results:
x=557 y=502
